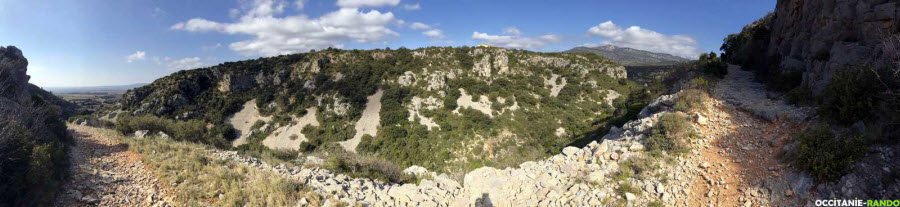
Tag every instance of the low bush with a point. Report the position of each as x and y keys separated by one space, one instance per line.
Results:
x=91 y=121
x=693 y=96
x=826 y=157
x=628 y=188
x=34 y=148
x=671 y=134
x=690 y=99
x=800 y=96
x=710 y=64
x=192 y=130
x=356 y=165
x=850 y=96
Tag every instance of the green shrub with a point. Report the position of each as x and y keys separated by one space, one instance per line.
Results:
x=33 y=157
x=192 y=130
x=711 y=64
x=628 y=188
x=826 y=157
x=850 y=96
x=356 y=165
x=690 y=99
x=799 y=96
x=671 y=134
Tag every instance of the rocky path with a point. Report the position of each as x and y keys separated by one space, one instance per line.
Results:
x=743 y=132
x=105 y=173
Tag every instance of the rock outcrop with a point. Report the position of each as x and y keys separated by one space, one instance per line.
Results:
x=13 y=80
x=819 y=38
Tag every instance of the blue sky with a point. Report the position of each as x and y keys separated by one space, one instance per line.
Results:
x=99 y=42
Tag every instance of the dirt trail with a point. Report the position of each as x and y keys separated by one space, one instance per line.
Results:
x=105 y=173
x=740 y=147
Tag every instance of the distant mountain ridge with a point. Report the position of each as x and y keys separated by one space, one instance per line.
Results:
x=630 y=56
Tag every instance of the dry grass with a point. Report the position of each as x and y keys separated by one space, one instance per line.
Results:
x=200 y=180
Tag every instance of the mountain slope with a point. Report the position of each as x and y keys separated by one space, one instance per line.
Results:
x=629 y=56
x=449 y=109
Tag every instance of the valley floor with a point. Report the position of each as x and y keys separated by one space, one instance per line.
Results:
x=105 y=173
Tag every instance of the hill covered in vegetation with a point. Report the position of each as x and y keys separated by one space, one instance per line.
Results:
x=448 y=109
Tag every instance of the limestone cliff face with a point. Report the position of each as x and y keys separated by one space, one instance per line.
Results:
x=13 y=80
x=821 y=37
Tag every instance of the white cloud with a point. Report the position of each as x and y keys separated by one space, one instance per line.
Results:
x=508 y=41
x=551 y=38
x=434 y=33
x=298 y=4
x=197 y=25
x=644 y=39
x=299 y=33
x=366 y=3
x=187 y=63
x=512 y=31
x=412 y=6
x=139 y=55
x=419 y=26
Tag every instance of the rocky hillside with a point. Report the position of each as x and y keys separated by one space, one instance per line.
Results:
x=818 y=39
x=628 y=56
x=449 y=109
x=841 y=58
x=33 y=139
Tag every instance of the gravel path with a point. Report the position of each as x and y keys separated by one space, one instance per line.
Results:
x=743 y=132
x=105 y=173
x=738 y=88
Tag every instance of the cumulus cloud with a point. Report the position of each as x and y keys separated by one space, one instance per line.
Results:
x=644 y=39
x=197 y=25
x=139 y=55
x=366 y=3
x=187 y=63
x=512 y=31
x=508 y=41
x=412 y=6
x=551 y=38
x=273 y=35
x=419 y=26
x=434 y=33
